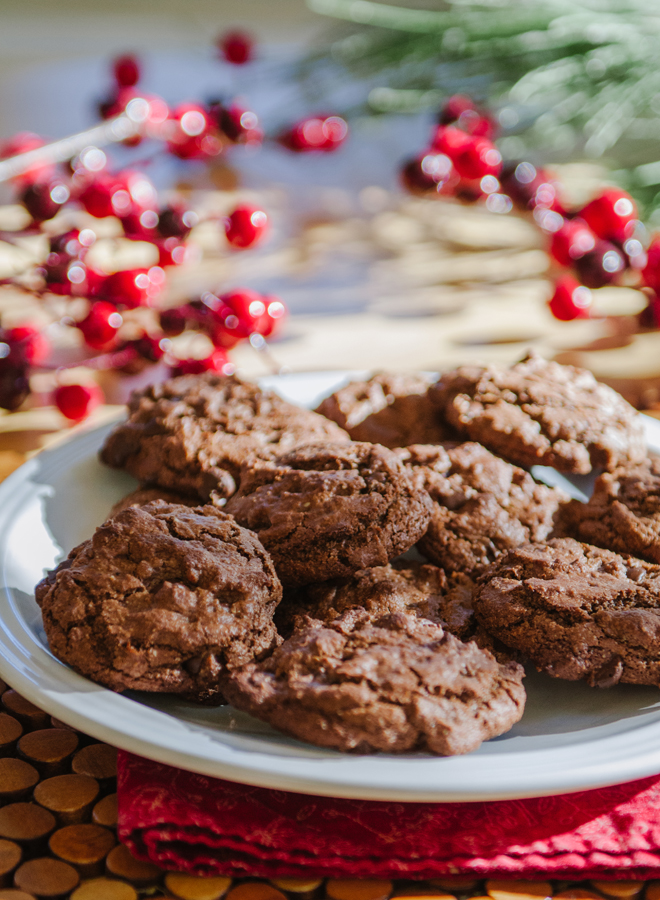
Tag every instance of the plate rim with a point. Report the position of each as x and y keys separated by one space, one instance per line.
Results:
x=27 y=667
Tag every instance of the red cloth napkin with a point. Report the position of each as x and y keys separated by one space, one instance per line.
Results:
x=193 y=823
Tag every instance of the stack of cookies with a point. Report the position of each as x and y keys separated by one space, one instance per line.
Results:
x=369 y=576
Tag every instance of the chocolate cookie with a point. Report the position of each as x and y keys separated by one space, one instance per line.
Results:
x=147 y=494
x=390 y=409
x=325 y=511
x=404 y=586
x=623 y=513
x=542 y=413
x=193 y=433
x=396 y=684
x=576 y=611
x=162 y=598
x=483 y=505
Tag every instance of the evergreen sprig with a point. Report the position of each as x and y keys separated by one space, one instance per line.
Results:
x=567 y=78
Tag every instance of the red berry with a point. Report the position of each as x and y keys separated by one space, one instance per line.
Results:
x=72 y=279
x=149 y=347
x=126 y=70
x=242 y=312
x=44 y=199
x=651 y=272
x=450 y=140
x=14 y=383
x=236 y=47
x=171 y=252
x=173 y=321
x=176 y=221
x=133 y=287
x=77 y=401
x=428 y=173
x=453 y=108
x=216 y=362
x=99 y=328
x=27 y=344
x=275 y=314
x=23 y=142
x=477 y=159
x=238 y=124
x=246 y=226
x=192 y=134
x=529 y=187
x=571 y=241
x=571 y=300
x=104 y=195
x=478 y=124
x=610 y=215
x=116 y=102
x=315 y=133
x=600 y=266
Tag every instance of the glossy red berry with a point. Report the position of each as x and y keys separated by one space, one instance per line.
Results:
x=453 y=108
x=23 y=142
x=478 y=124
x=131 y=288
x=173 y=321
x=100 y=326
x=27 y=344
x=276 y=312
x=651 y=272
x=218 y=361
x=116 y=102
x=570 y=300
x=315 y=134
x=246 y=226
x=426 y=174
x=479 y=158
x=611 y=215
x=192 y=135
x=44 y=199
x=236 y=47
x=176 y=221
x=149 y=347
x=450 y=141
x=242 y=312
x=529 y=187
x=171 y=252
x=77 y=401
x=104 y=195
x=237 y=124
x=571 y=241
x=600 y=266
x=126 y=70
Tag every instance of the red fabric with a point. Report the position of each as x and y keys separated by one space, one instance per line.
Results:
x=193 y=823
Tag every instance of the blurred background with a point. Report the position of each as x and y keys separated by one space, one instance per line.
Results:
x=377 y=268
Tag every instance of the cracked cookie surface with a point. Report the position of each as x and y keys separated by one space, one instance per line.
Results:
x=623 y=513
x=575 y=611
x=406 y=586
x=542 y=413
x=325 y=511
x=396 y=684
x=193 y=433
x=390 y=409
x=482 y=505
x=162 y=598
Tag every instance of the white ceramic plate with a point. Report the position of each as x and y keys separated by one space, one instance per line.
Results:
x=571 y=737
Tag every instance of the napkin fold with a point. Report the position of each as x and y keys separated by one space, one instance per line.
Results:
x=193 y=823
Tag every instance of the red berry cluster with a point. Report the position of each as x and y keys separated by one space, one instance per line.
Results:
x=599 y=244
x=113 y=335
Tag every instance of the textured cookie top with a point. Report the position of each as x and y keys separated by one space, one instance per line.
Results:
x=576 y=611
x=146 y=494
x=325 y=511
x=397 y=684
x=484 y=505
x=623 y=513
x=390 y=409
x=404 y=586
x=162 y=597
x=193 y=433
x=542 y=413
